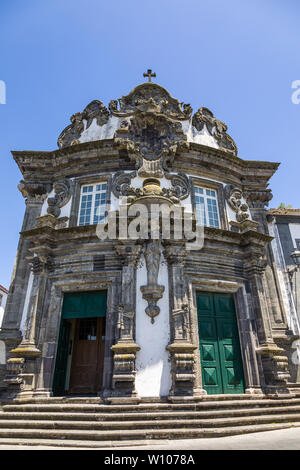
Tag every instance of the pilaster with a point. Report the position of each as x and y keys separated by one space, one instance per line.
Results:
x=125 y=349
x=181 y=348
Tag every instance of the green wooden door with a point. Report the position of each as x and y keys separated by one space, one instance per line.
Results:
x=61 y=359
x=221 y=361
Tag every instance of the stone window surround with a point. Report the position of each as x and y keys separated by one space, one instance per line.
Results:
x=78 y=183
x=218 y=187
x=249 y=357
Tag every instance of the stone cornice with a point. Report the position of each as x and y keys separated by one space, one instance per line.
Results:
x=52 y=236
x=105 y=157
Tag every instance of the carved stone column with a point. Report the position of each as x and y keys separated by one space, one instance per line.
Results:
x=35 y=194
x=123 y=381
x=273 y=359
x=181 y=348
x=257 y=201
x=28 y=349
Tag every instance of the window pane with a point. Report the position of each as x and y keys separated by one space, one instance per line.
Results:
x=212 y=213
x=92 y=206
x=200 y=210
x=207 y=207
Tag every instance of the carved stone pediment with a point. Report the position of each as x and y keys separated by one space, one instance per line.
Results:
x=216 y=128
x=71 y=134
x=150 y=97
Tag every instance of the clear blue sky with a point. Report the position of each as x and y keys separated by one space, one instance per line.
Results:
x=236 y=57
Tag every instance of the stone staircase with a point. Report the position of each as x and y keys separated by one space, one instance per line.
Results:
x=90 y=423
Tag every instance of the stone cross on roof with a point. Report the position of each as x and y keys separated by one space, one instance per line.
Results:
x=149 y=74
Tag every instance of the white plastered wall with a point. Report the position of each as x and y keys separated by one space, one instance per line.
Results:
x=153 y=370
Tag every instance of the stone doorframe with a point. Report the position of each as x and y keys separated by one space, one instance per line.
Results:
x=111 y=283
x=253 y=372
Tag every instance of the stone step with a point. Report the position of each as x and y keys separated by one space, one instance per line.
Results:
x=18 y=425
x=167 y=407
x=139 y=415
x=146 y=401
x=106 y=438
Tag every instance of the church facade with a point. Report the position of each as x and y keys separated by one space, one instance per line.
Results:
x=106 y=301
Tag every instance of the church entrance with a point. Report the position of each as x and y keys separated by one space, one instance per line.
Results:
x=220 y=353
x=80 y=350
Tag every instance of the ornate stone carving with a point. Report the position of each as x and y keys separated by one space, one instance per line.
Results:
x=123 y=379
x=150 y=97
x=234 y=197
x=121 y=183
x=151 y=168
x=125 y=324
x=40 y=264
x=181 y=323
x=152 y=292
x=153 y=134
x=183 y=371
x=180 y=186
x=216 y=128
x=71 y=134
x=62 y=196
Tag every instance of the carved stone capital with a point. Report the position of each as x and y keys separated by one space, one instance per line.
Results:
x=41 y=264
x=175 y=253
x=129 y=253
x=256 y=265
x=33 y=191
x=258 y=199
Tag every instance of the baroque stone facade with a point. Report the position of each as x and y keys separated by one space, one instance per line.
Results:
x=149 y=148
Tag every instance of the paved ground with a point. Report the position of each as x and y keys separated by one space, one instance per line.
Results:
x=285 y=439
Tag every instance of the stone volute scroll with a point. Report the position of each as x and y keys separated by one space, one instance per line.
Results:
x=61 y=197
x=216 y=128
x=234 y=198
x=82 y=121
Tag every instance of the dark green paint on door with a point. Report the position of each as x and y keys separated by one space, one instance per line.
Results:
x=61 y=359
x=221 y=361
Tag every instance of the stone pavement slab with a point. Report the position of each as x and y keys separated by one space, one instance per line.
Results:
x=284 y=439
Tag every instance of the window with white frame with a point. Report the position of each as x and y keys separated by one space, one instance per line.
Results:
x=92 y=203
x=207 y=211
